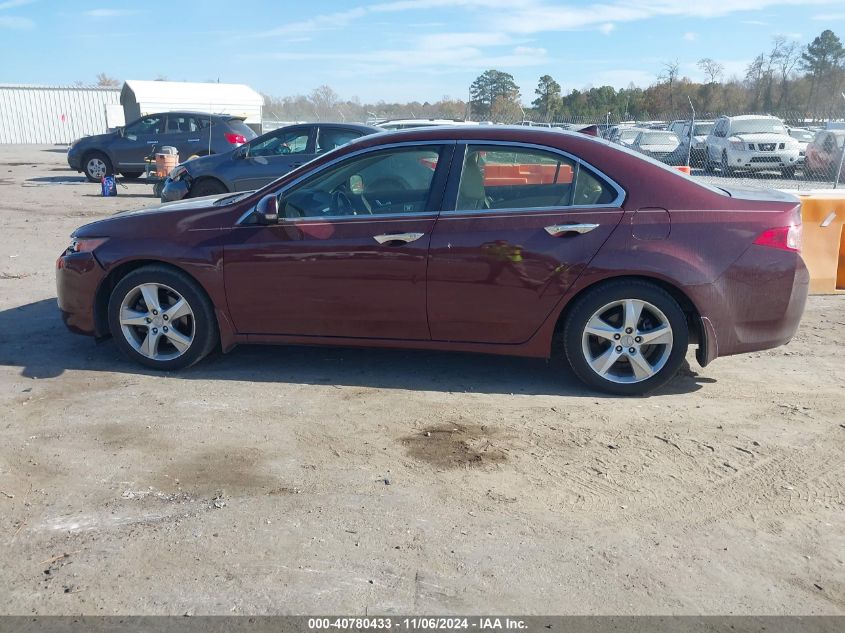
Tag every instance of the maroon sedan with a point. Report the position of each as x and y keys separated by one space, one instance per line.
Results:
x=482 y=239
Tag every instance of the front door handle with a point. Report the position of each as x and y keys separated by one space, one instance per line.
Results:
x=556 y=230
x=397 y=238
x=152 y=142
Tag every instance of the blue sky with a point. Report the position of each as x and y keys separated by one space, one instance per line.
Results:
x=394 y=49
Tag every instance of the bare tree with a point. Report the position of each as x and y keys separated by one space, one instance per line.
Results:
x=104 y=81
x=785 y=57
x=712 y=69
x=325 y=101
x=670 y=76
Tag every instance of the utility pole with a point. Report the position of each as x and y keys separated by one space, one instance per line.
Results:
x=841 y=158
x=691 y=130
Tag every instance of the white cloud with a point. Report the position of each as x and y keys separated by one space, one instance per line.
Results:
x=11 y=4
x=689 y=36
x=14 y=22
x=607 y=28
x=623 y=78
x=829 y=17
x=110 y=13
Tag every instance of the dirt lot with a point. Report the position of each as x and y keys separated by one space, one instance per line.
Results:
x=306 y=480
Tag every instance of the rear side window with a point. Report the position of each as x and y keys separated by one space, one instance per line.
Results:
x=330 y=138
x=496 y=177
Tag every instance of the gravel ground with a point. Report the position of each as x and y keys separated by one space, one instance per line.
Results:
x=316 y=480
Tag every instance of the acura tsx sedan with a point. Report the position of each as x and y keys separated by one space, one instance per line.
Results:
x=477 y=239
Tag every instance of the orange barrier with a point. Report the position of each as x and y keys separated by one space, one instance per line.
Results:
x=823 y=218
x=526 y=174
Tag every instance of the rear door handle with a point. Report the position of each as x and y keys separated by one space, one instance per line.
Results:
x=151 y=142
x=556 y=230
x=398 y=238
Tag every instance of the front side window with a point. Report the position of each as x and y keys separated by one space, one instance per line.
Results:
x=377 y=183
x=281 y=144
x=498 y=177
x=147 y=125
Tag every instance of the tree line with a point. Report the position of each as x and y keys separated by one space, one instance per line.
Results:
x=791 y=80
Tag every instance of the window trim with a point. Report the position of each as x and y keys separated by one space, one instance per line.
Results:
x=448 y=144
x=457 y=170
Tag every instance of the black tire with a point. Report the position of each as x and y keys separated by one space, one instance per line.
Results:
x=726 y=169
x=607 y=293
x=132 y=175
x=788 y=172
x=93 y=159
x=207 y=187
x=202 y=322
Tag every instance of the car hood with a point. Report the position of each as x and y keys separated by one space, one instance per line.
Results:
x=205 y=164
x=167 y=212
x=764 y=138
x=95 y=139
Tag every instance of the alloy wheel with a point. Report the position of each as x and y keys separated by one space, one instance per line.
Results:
x=157 y=321
x=96 y=167
x=627 y=341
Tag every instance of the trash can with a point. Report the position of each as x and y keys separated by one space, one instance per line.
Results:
x=166 y=159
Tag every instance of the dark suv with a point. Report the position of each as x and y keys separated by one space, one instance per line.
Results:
x=260 y=161
x=124 y=150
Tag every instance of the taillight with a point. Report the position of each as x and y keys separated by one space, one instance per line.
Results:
x=235 y=139
x=787 y=238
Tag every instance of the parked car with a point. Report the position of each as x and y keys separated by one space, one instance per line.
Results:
x=260 y=161
x=124 y=150
x=804 y=136
x=753 y=143
x=624 y=135
x=514 y=239
x=698 y=138
x=403 y=124
x=660 y=145
x=824 y=155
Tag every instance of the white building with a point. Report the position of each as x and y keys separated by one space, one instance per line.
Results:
x=53 y=114
x=139 y=98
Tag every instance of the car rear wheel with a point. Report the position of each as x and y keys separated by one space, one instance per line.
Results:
x=626 y=337
x=788 y=172
x=131 y=175
x=96 y=165
x=161 y=318
x=207 y=187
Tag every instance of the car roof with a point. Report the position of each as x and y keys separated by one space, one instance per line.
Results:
x=741 y=117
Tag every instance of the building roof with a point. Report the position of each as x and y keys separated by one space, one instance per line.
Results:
x=176 y=92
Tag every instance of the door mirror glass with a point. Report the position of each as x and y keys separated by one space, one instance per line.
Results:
x=267 y=210
x=356 y=184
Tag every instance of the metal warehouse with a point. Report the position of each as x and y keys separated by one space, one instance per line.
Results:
x=53 y=114
x=146 y=97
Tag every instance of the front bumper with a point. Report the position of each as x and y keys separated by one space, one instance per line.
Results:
x=78 y=276
x=762 y=160
x=74 y=159
x=174 y=190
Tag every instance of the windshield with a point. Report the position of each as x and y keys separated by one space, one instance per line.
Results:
x=659 y=138
x=703 y=129
x=805 y=136
x=628 y=134
x=757 y=126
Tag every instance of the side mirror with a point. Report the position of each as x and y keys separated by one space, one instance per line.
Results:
x=242 y=152
x=267 y=210
x=121 y=131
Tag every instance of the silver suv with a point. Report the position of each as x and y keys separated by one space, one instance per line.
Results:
x=751 y=142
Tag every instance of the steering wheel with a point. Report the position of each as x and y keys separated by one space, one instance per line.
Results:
x=341 y=204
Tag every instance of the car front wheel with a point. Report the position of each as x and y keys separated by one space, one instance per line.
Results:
x=161 y=318
x=626 y=337
x=96 y=165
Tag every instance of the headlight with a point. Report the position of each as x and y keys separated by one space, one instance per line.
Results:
x=737 y=145
x=84 y=244
x=177 y=172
